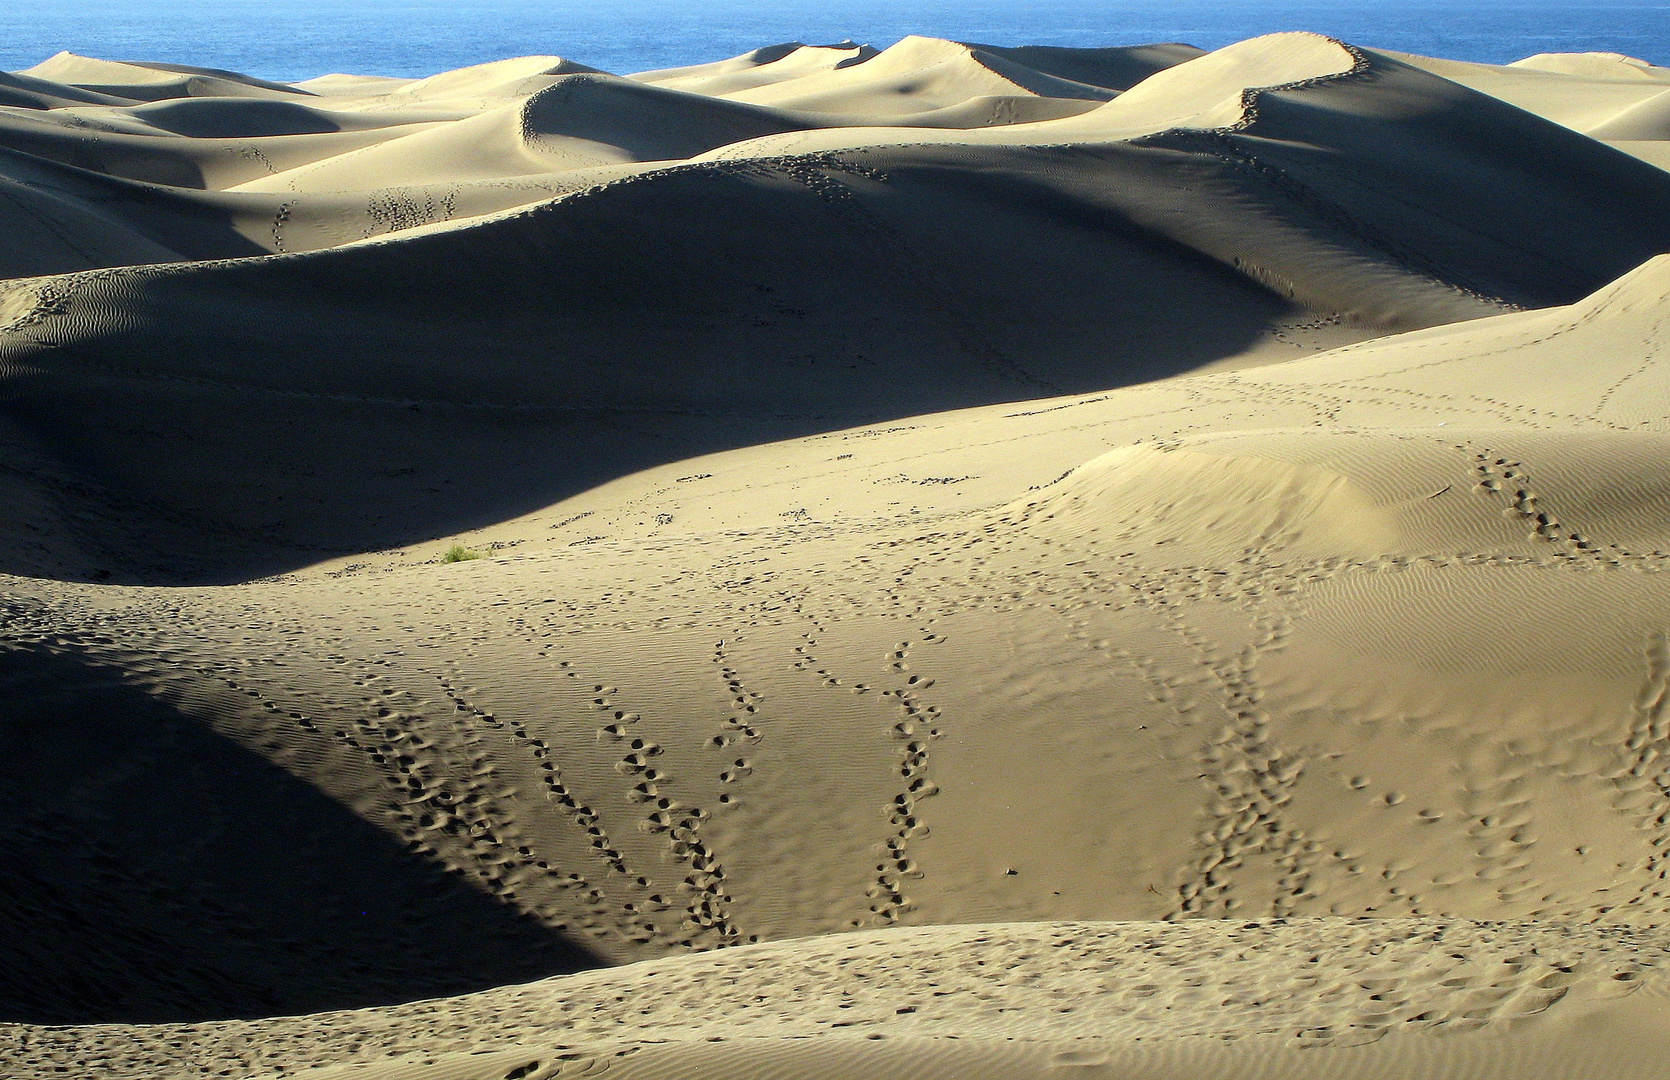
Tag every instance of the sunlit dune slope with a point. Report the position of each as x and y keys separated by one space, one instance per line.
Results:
x=1307 y=998
x=940 y=561
x=1350 y=196
x=1372 y=633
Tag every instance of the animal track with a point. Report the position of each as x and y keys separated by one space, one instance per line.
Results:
x=915 y=729
x=1646 y=762
x=1508 y=479
x=706 y=912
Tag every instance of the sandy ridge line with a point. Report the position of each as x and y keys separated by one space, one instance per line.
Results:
x=1319 y=981
x=1249 y=100
x=1216 y=142
x=1213 y=142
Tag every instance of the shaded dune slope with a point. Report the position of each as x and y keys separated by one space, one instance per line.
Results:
x=369 y=158
x=264 y=897
x=1604 y=95
x=18 y=90
x=1453 y=184
x=1460 y=180
x=543 y=364
x=195 y=163
x=1279 y=668
x=1581 y=91
x=1112 y=69
x=931 y=273
x=578 y=121
x=57 y=215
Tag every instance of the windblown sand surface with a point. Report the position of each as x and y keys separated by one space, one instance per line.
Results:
x=1121 y=564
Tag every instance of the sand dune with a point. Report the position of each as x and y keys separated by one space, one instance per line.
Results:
x=965 y=561
x=1081 y=1000
x=200 y=163
x=18 y=90
x=479 y=87
x=1614 y=98
x=1111 y=69
x=53 y=220
x=915 y=75
x=761 y=67
x=1647 y=121
x=1283 y=673
x=839 y=287
x=1600 y=64
x=1283 y=111
x=154 y=82
x=579 y=121
x=370 y=157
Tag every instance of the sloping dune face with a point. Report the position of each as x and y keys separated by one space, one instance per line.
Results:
x=719 y=268
x=946 y=561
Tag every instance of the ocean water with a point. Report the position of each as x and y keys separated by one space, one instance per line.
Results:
x=297 y=39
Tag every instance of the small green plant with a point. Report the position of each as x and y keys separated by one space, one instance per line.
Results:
x=459 y=553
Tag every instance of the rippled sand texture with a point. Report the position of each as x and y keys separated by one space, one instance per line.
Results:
x=993 y=562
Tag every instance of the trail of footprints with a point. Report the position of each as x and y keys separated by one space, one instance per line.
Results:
x=447 y=798
x=915 y=729
x=706 y=913
x=1508 y=478
x=486 y=820
x=1647 y=765
x=1251 y=780
x=441 y=795
x=738 y=725
x=601 y=916
x=453 y=806
x=1250 y=777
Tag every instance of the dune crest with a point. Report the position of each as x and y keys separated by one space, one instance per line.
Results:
x=761 y=67
x=150 y=82
x=1602 y=64
x=915 y=75
x=1218 y=90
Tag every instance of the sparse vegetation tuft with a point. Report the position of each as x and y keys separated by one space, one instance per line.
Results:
x=460 y=553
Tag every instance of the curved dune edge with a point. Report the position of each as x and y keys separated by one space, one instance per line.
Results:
x=1303 y=997
x=1217 y=91
x=375 y=156
x=942 y=249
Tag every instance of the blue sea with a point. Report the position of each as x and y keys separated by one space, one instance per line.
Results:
x=297 y=39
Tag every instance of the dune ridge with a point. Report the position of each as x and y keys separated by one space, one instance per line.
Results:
x=843 y=1013
x=939 y=561
x=1087 y=269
